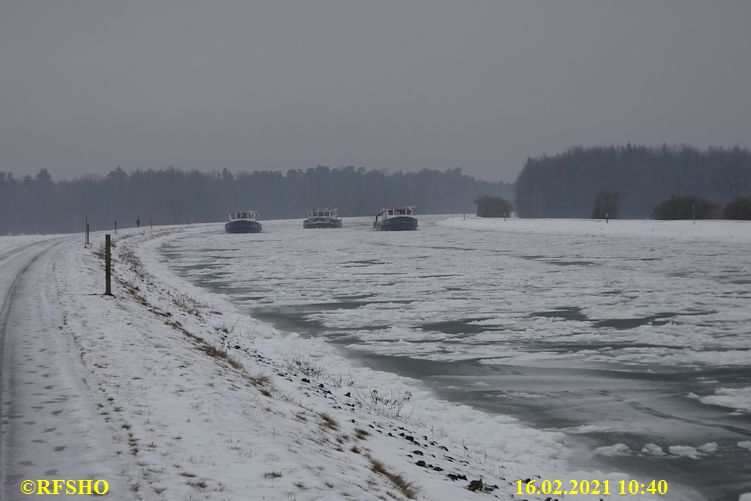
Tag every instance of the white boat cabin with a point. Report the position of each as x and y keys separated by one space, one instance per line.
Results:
x=398 y=211
x=247 y=215
x=330 y=213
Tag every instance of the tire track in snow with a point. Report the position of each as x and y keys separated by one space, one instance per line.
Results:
x=5 y=309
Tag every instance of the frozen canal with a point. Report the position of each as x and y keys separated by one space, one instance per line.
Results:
x=637 y=338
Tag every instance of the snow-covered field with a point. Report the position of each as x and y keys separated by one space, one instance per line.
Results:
x=254 y=366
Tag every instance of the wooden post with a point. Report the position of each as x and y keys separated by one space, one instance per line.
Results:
x=107 y=266
x=115 y=226
x=86 y=242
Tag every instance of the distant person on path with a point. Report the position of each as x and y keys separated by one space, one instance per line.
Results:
x=138 y=222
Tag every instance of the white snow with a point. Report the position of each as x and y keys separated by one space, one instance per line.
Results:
x=204 y=401
x=734 y=231
x=15 y=243
x=709 y=447
x=619 y=449
x=746 y=444
x=734 y=398
x=652 y=450
x=684 y=450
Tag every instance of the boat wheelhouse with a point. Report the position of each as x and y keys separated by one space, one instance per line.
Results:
x=323 y=218
x=243 y=221
x=396 y=219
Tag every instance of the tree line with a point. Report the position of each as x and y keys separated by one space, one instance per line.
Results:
x=629 y=181
x=40 y=204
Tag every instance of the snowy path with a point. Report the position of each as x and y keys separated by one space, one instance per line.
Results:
x=50 y=428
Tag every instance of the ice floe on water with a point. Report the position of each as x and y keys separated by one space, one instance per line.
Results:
x=684 y=450
x=652 y=450
x=619 y=449
x=734 y=398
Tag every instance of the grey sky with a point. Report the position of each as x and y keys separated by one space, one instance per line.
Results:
x=89 y=85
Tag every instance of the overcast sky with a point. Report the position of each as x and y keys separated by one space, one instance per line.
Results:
x=86 y=86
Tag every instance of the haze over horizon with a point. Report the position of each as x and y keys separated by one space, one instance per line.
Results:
x=86 y=86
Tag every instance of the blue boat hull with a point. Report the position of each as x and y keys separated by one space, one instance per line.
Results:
x=243 y=227
x=398 y=223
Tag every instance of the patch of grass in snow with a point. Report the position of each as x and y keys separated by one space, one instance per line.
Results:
x=342 y=438
x=315 y=371
x=261 y=381
x=222 y=354
x=272 y=474
x=329 y=422
x=361 y=434
x=187 y=304
x=133 y=443
x=406 y=487
x=200 y=484
x=228 y=330
x=306 y=367
x=389 y=405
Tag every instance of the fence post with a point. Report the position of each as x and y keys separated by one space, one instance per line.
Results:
x=86 y=242
x=107 y=266
x=115 y=226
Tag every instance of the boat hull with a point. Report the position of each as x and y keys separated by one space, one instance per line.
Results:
x=398 y=223
x=322 y=222
x=243 y=227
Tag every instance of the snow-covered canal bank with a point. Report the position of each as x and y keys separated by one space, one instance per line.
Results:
x=631 y=337
x=169 y=392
